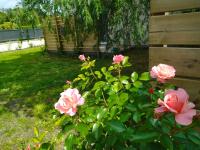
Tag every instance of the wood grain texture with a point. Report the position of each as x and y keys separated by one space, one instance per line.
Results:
x=176 y=37
x=179 y=22
x=185 y=60
x=191 y=86
x=171 y=5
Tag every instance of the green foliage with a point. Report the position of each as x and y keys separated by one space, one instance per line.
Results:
x=117 y=117
x=8 y=25
x=121 y=22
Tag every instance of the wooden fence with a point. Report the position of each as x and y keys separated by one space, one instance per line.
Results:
x=174 y=39
x=56 y=41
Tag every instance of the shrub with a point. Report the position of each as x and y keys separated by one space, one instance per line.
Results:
x=105 y=109
x=8 y=25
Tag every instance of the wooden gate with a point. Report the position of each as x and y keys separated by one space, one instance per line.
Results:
x=56 y=41
x=175 y=40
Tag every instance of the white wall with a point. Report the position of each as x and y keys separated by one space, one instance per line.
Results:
x=17 y=45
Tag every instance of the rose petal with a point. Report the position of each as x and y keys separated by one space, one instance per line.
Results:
x=154 y=72
x=160 y=109
x=59 y=108
x=81 y=101
x=71 y=111
x=186 y=117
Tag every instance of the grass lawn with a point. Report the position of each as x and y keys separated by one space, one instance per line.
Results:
x=30 y=83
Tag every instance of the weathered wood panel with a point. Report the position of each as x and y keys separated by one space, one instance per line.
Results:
x=179 y=38
x=171 y=5
x=191 y=86
x=179 y=22
x=185 y=60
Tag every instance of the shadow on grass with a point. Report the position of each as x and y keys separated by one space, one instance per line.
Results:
x=29 y=78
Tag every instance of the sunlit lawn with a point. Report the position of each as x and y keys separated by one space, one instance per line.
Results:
x=30 y=83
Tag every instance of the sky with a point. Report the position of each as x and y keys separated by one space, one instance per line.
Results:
x=8 y=3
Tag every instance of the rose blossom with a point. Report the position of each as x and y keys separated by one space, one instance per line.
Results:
x=117 y=59
x=69 y=101
x=162 y=72
x=176 y=101
x=28 y=147
x=82 y=57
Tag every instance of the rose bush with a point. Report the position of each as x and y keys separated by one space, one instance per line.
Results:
x=121 y=112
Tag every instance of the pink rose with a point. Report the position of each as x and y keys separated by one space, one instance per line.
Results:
x=69 y=101
x=117 y=59
x=162 y=72
x=176 y=101
x=28 y=147
x=82 y=57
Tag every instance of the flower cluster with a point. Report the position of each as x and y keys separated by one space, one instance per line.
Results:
x=175 y=101
x=122 y=112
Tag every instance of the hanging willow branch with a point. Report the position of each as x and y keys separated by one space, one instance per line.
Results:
x=120 y=22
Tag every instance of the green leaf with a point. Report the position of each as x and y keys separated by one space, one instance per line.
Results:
x=110 y=68
x=128 y=86
x=98 y=93
x=85 y=94
x=166 y=141
x=110 y=141
x=113 y=111
x=99 y=85
x=137 y=117
x=137 y=84
x=194 y=136
x=134 y=76
x=180 y=135
x=144 y=136
x=103 y=69
x=125 y=116
x=41 y=137
x=124 y=79
x=46 y=146
x=123 y=98
x=102 y=113
x=116 y=87
x=131 y=107
x=70 y=142
x=36 y=140
x=125 y=60
x=112 y=100
x=95 y=131
x=145 y=76
x=98 y=73
x=82 y=128
x=82 y=76
x=36 y=132
x=116 y=126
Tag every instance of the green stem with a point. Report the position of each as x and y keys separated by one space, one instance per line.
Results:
x=119 y=71
x=104 y=98
x=93 y=73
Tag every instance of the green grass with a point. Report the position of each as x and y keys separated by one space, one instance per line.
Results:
x=30 y=84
